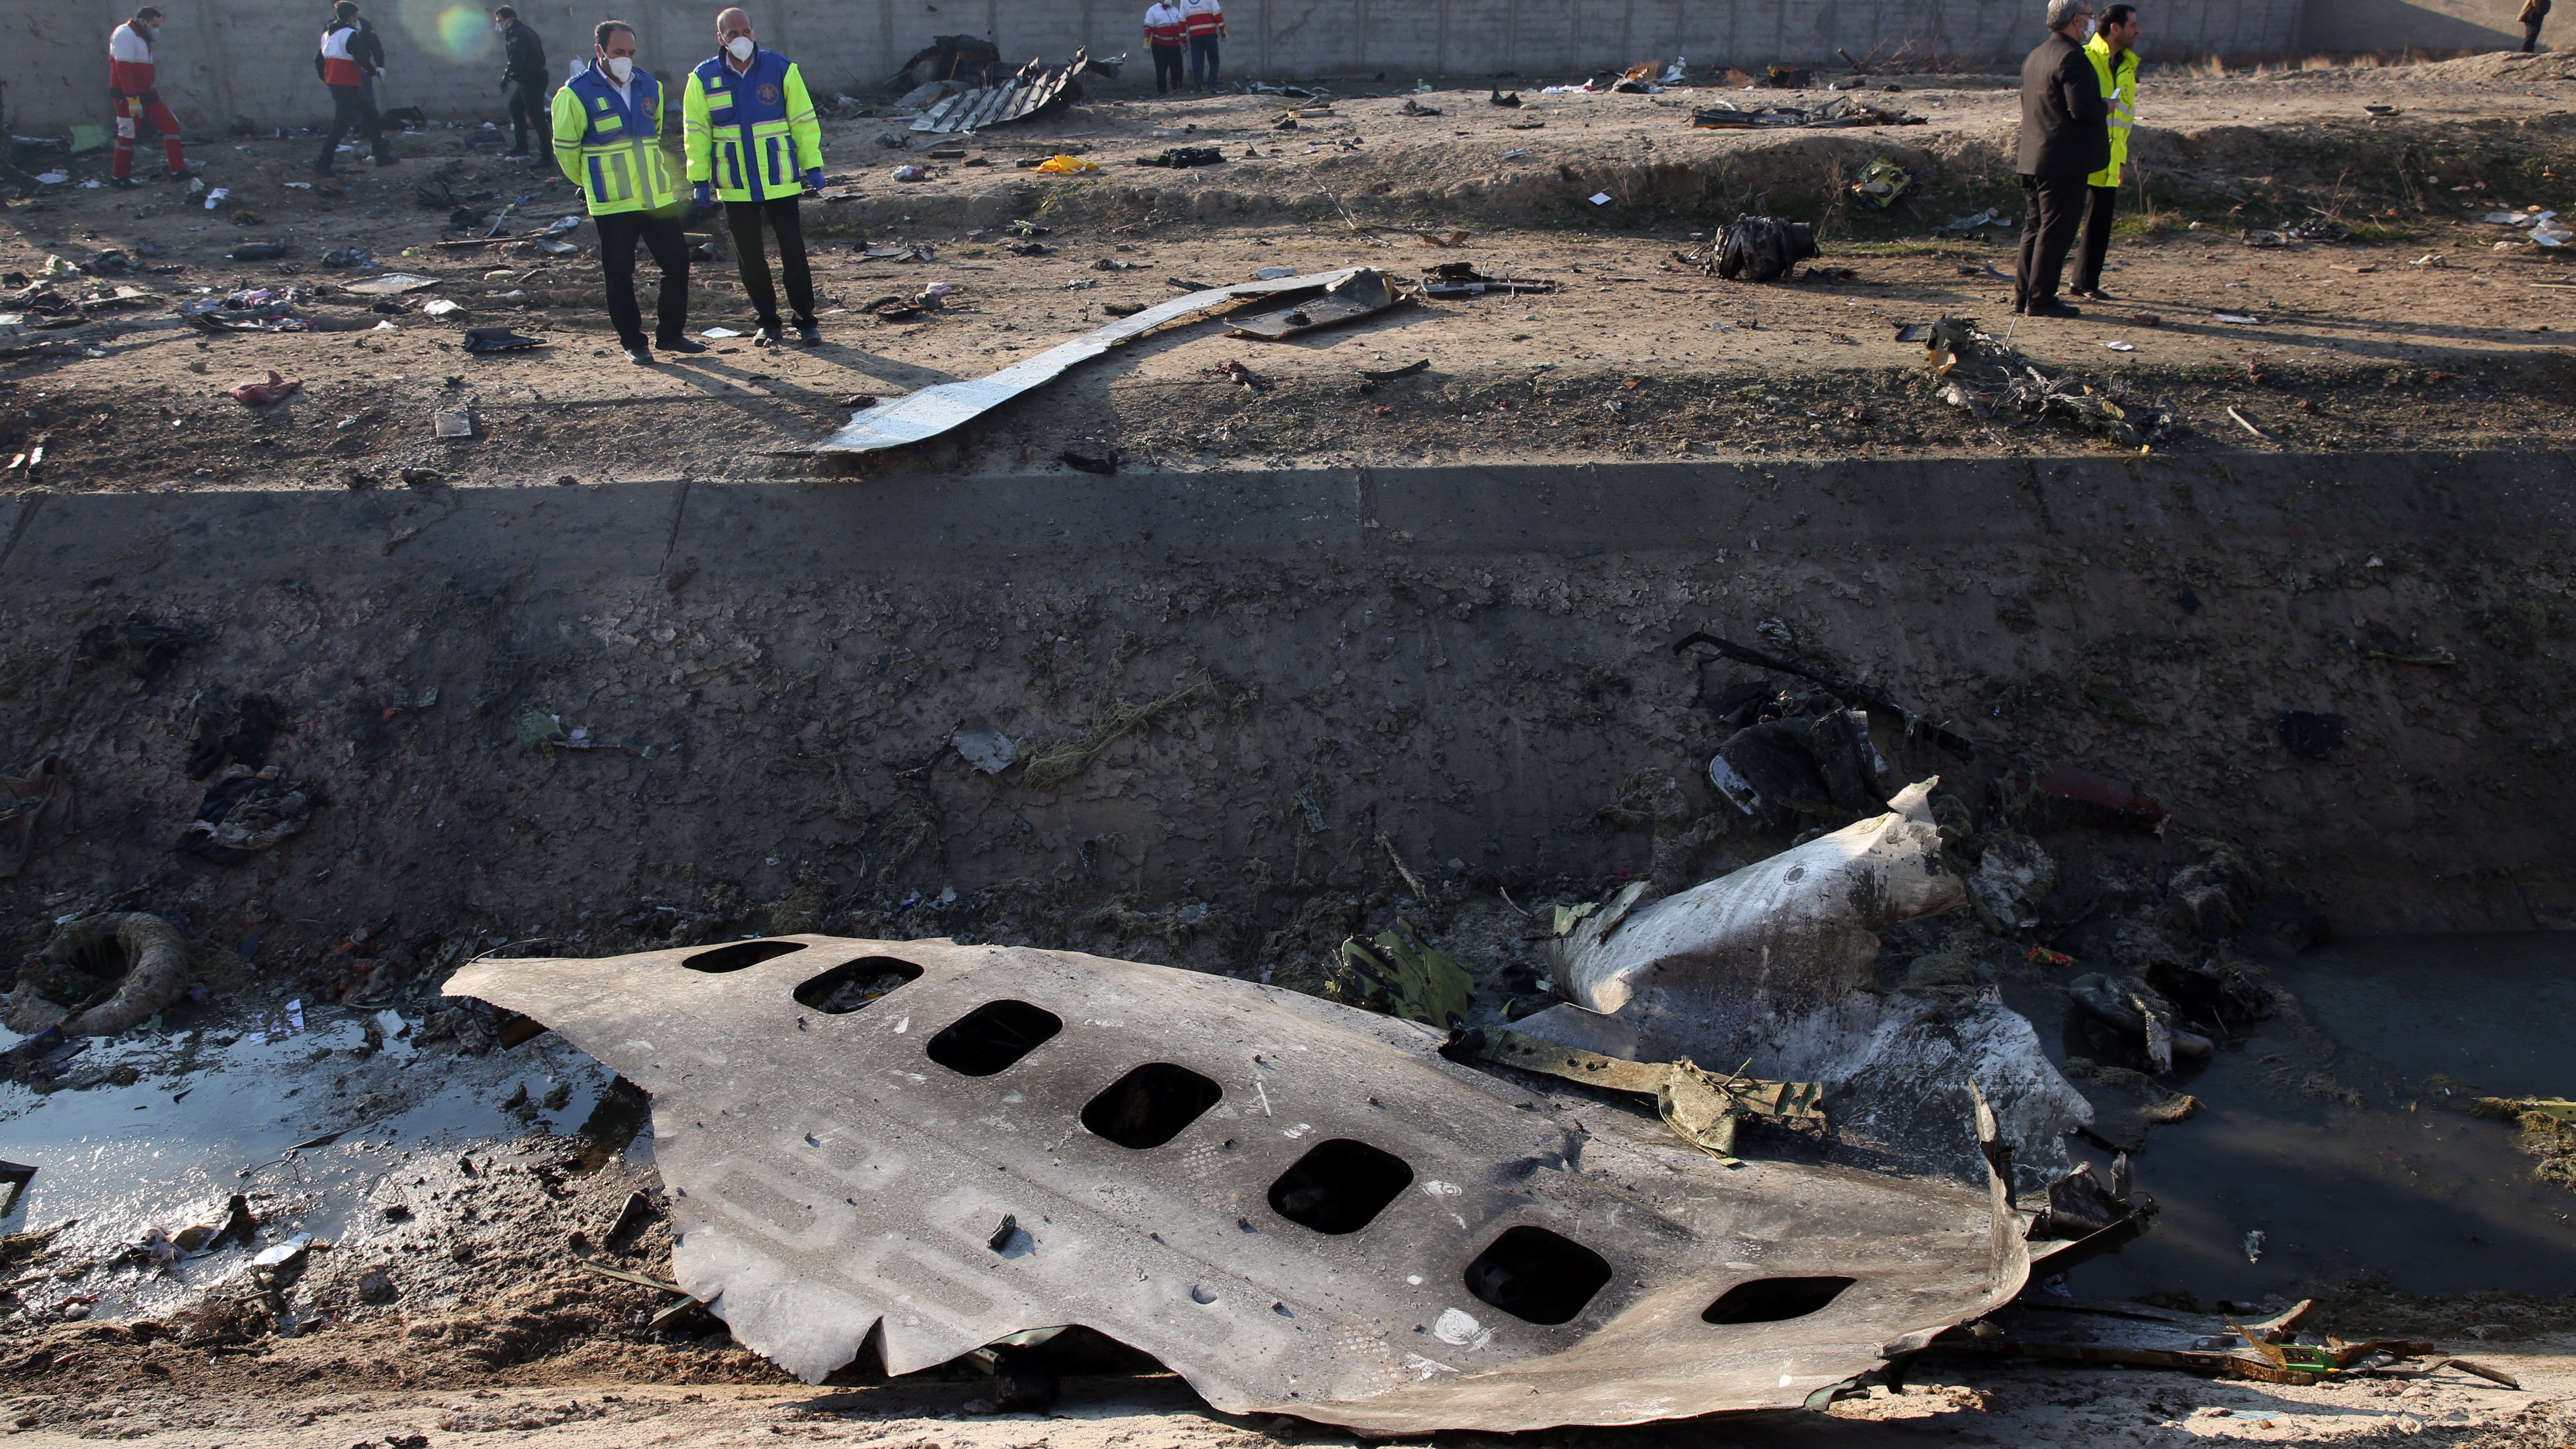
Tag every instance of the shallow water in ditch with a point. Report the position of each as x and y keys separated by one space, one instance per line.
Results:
x=220 y=1111
x=2438 y=1201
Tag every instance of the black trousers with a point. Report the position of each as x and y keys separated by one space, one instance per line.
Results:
x=663 y=237
x=351 y=109
x=527 y=100
x=2097 y=237
x=779 y=213
x=2530 y=36
x=2057 y=205
x=1169 y=73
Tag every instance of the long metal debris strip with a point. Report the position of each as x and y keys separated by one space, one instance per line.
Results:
x=1037 y=89
x=934 y=410
x=1300 y=1207
x=1839 y=113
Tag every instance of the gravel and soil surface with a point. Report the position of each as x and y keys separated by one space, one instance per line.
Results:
x=2417 y=333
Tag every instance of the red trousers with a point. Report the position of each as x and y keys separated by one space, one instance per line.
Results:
x=129 y=114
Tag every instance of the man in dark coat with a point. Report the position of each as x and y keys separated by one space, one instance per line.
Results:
x=2065 y=138
x=523 y=83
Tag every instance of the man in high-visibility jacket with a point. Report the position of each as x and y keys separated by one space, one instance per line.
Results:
x=130 y=75
x=2114 y=53
x=753 y=142
x=608 y=140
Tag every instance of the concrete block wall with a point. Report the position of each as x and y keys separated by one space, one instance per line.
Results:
x=2399 y=25
x=252 y=59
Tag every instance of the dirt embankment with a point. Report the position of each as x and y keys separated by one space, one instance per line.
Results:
x=1471 y=665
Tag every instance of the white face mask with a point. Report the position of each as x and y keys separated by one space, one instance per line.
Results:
x=621 y=69
x=741 y=47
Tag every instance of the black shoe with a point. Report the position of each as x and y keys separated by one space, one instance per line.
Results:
x=810 y=333
x=183 y=174
x=640 y=355
x=2092 y=294
x=680 y=344
x=390 y=159
x=127 y=183
x=2051 y=307
x=767 y=334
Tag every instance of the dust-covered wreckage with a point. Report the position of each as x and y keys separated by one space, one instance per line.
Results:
x=921 y=1148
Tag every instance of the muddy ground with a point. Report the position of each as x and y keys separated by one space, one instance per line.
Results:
x=2416 y=333
x=1401 y=630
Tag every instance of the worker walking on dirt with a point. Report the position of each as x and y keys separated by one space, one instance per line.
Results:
x=1163 y=39
x=130 y=75
x=608 y=140
x=1203 y=22
x=753 y=141
x=2533 y=12
x=523 y=81
x=344 y=63
x=2064 y=140
x=2114 y=53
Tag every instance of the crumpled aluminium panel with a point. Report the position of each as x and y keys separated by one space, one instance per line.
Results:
x=933 y=410
x=1774 y=966
x=831 y=1179
x=1036 y=90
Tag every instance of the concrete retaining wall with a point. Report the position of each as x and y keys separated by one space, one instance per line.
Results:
x=1472 y=661
x=2397 y=25
x=252 y=59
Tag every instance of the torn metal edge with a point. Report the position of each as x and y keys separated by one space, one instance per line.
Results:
x=935 y=410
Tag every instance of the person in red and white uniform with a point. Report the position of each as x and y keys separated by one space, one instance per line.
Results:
x=130 y=84
x=344 y=64
x=1203 y=22
x=1163 y=38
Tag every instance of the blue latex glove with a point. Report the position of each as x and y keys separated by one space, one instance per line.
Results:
x=814 y=179
x=706 y=193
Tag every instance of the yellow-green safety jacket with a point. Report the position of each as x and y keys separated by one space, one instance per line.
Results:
x=2119 y=87
x=612 y=148
x=752 y=134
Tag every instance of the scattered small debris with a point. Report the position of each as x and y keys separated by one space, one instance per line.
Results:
x=1452 y=280
x=276 y=390
x=1754 y=249
x=1881 y=182
x=246 y=811
x=498 y=339
x=1244 y=375
x=1180 y=157
x=984 y=745
x=1392 y=373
